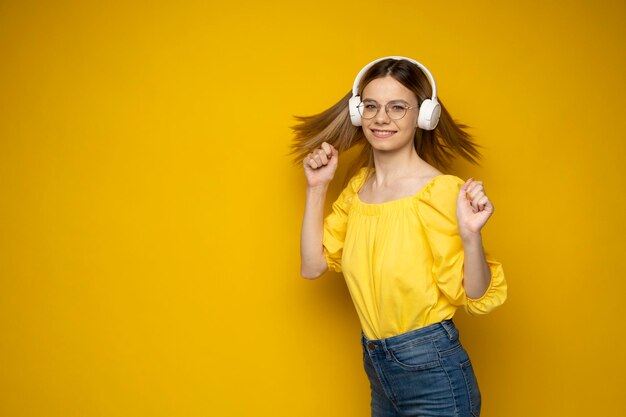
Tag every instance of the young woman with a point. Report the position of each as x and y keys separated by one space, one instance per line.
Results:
x=406 y=236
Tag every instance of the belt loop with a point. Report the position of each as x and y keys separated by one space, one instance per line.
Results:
x=448 y=326
x=383 y=343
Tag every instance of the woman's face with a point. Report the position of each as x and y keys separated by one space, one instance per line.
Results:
x=381 y=131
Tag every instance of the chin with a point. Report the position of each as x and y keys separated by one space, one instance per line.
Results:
x=383 y=147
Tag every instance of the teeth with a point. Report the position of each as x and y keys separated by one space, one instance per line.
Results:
x=383 y=132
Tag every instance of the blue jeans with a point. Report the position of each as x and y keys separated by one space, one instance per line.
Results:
x=424 y=372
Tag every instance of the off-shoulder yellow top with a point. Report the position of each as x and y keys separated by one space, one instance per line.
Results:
x=403 y=259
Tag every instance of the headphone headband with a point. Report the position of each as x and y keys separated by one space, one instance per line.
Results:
x=431 y=79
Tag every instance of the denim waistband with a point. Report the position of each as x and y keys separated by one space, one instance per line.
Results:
x=423 y=334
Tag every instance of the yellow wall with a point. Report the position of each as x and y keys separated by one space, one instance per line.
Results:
x=149 y=214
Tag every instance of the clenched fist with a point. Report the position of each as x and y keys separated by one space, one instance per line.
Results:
x=473 y=208
x=320 y=165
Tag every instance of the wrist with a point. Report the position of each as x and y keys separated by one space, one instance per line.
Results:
x=471 y=238
x=316 y=193
x=317 y=189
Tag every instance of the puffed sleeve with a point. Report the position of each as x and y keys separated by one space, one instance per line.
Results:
x=437 y=213
x=335 y=224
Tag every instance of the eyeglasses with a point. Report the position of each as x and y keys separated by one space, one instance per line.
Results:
x=396 y=110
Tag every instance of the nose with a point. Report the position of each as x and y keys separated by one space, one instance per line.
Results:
x=382 y=117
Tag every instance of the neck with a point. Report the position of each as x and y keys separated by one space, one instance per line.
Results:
x=390 y=165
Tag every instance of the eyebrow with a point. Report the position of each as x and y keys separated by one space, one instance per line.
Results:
x=390 y=101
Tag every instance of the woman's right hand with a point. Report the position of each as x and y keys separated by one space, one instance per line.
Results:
x=320 y=165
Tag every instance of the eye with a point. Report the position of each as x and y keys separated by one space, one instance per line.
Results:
x=398 y=105
x=370 y=106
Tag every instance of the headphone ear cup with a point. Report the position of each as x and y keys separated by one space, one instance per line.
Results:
x=429 y=113
x=353 y=105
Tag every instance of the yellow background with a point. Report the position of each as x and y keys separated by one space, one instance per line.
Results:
x=150 y=215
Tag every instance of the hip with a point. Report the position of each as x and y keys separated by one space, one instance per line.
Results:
x=424 y=372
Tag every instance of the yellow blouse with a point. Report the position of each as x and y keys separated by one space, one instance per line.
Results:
x=403 y=259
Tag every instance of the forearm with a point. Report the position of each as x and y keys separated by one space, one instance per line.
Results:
x=312 y=259
x=476 y=272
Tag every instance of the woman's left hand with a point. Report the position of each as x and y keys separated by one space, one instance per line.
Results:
x=473 y=208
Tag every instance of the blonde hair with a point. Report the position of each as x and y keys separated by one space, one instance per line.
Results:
x=438 y=147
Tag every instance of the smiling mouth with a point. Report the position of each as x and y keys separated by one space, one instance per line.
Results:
x=382 y=133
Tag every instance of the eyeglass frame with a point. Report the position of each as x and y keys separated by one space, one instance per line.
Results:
x=378 y=107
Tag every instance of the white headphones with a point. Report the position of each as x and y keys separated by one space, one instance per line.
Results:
x=429 y=111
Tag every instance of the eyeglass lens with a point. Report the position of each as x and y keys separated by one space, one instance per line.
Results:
x=394 y=109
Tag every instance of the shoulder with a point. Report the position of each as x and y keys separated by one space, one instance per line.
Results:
x=442 y=187
x=352 y=188
x=438 y=198
x=437 y=202
x=357 y=181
